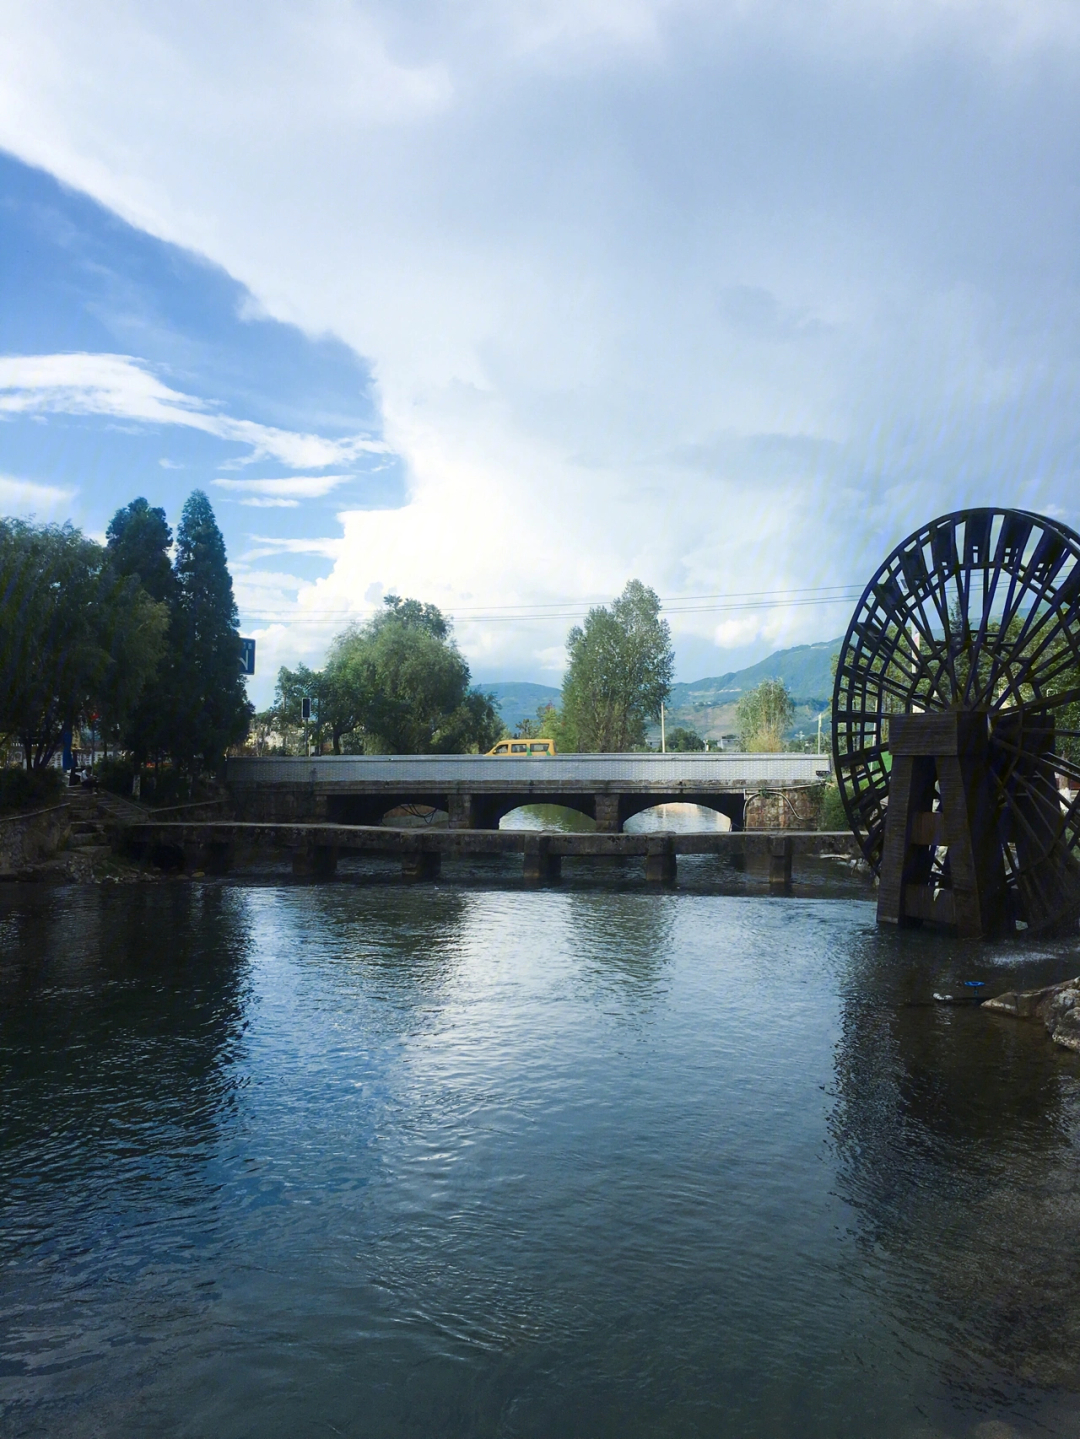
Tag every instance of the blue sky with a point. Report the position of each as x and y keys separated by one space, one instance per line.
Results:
x=502 y=305
x=78 y=281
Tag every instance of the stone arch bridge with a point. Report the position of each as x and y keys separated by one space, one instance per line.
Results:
x=755 y=791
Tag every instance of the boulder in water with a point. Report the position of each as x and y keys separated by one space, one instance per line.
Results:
x=1058 y=1006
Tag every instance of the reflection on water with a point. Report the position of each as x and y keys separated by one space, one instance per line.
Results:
x=548 y=816
x=937 y=1098
x=371 y=1160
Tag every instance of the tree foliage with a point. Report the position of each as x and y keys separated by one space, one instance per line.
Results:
x=395 y=685
x=763 y=716
x=197 y=706
x=78 y=639
x=620 y=671
x=684 y=741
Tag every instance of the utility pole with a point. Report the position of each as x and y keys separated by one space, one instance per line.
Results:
x=663 y=738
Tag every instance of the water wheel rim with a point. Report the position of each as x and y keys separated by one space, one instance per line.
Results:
x=976 y=610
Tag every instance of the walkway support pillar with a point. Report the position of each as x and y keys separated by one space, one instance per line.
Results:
x=315 y=861
x=540 y=866
x=608 y=811
x=417 y=862
x=661 y=866
x=208 y=858
x=780 y=864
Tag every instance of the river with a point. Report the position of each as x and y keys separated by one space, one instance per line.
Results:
x=288 y=1159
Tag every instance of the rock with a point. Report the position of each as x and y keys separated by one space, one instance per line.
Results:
x=1057 y=1006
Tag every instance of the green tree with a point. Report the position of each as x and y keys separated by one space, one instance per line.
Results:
x=683 y=740
x=138 y=542
x=211 y=710
x=620 y=672
x=763 y=715
x=78 y=641
x=402 y=683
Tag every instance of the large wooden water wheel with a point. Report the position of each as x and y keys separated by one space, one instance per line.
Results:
x=956 y=724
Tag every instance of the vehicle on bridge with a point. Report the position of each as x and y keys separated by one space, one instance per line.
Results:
x=523 y=747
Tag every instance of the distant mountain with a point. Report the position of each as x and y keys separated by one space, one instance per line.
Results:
x=518 y=700
x=805 y=669
x=708 y=706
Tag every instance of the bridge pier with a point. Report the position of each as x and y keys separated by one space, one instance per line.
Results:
x=314 y=861
x=661 y=865
x=608 y=813
x=780 y=865
x=539 y=865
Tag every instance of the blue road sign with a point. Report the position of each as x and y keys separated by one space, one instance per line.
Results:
x=247 y=657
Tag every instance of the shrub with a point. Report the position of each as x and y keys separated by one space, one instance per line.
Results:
x=832 y=810
x=115 y=775
x=25 y=789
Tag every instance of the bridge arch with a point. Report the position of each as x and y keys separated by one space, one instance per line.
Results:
x=681 y=815
x=731 y=804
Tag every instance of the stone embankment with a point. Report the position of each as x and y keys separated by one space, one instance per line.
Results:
x=29 y=841
x=68 y=843
x=1057 y=1006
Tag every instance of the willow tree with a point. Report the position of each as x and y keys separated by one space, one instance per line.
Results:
x=78 y=640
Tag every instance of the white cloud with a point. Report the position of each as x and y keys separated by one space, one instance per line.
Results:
x=24 y=498
x=727 y=296
x=124 y=388
x=303 y=487
x=328 y=548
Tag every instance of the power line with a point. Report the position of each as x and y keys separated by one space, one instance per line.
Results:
x=558 y=610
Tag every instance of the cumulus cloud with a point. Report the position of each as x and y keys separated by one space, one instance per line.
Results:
x=123 y=388
x=724 y=296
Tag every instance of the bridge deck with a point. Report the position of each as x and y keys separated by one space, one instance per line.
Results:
x=587 y=772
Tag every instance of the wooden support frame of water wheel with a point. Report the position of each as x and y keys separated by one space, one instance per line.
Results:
x=956 y=724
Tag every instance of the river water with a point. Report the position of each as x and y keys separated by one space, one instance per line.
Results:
x=287 y=1159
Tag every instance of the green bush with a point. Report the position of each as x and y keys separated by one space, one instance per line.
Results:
x=115 y=775
x=26 y=789
x=165 y=786
x=832 y=810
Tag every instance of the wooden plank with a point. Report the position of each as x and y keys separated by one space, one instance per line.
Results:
x=928 y=827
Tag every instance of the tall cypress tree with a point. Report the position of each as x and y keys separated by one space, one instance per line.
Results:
x=138 y=540
x=138 y=544
x=212 y=709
